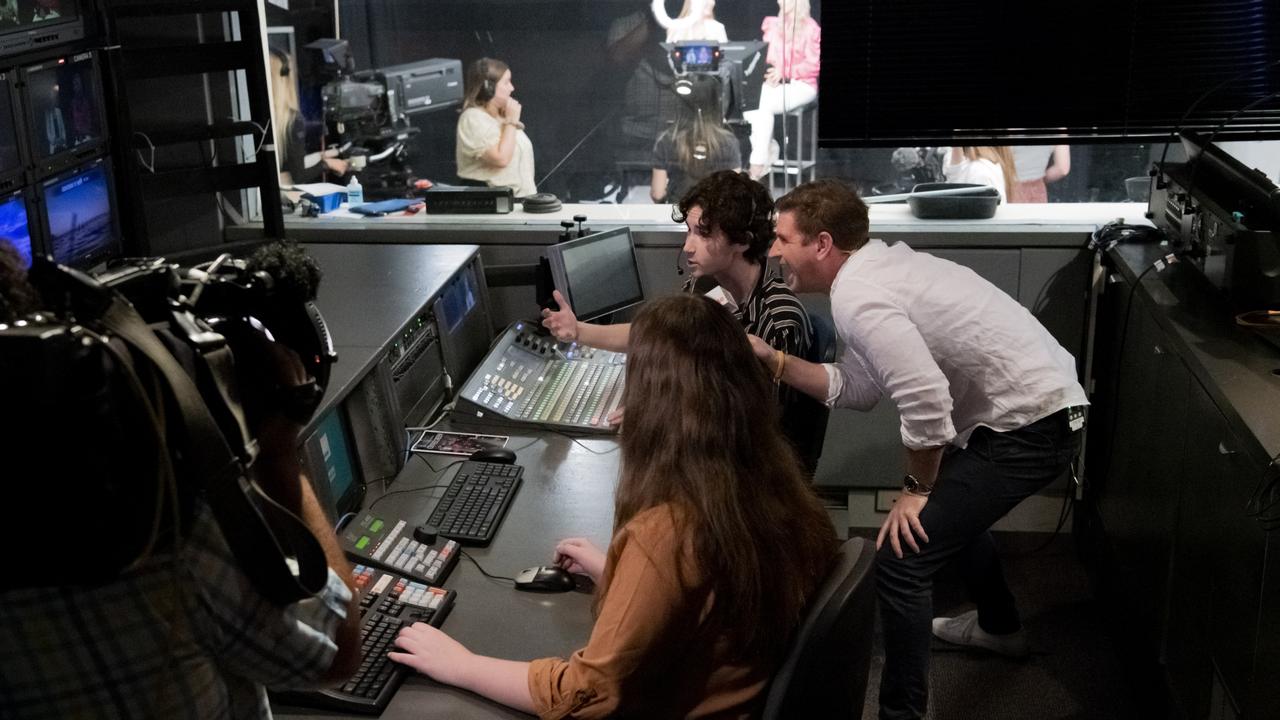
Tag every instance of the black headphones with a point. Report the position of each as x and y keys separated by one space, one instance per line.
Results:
x=488 y=88
x=284 y=61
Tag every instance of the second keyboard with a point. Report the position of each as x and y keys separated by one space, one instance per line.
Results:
x=476 y=501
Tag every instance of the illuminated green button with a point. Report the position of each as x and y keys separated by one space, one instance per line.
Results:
x=363 y=542
x=376 y=526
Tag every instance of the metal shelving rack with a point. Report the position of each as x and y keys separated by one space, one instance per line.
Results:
x=131 y=60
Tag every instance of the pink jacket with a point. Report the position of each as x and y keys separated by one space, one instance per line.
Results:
x=801 y=59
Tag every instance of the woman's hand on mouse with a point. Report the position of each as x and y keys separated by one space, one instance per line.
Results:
x=580 y=555
x=432 y=653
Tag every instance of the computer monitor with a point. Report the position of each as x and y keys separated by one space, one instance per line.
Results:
x=14 y=224
x=29 y=24
x=597 y=274
x=330 y=459
x=65 y=123
x=78 y=215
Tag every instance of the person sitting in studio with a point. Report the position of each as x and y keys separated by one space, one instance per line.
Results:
x=290 y=131
x=791 y=79
x=696 y=21
x=730 y=227
x=697 y=145
x=984 y=165
x=181 y=631
x=493 y=148
x=718 y=544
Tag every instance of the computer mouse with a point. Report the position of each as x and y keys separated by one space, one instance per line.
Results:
x=494 y=455
x=545 y=578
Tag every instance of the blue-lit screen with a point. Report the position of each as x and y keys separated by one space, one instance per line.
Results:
x=13 y=226
x=338 y=461
x=78 y=207
x=699 y=55
x=458 y=299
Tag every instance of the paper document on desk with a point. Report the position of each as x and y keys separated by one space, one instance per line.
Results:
x=722 y=296
x=319 y=189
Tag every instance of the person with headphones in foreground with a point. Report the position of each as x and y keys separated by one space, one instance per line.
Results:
x=493 y=148
x=718 y=545
x=991 y=413
x=181 y=631
x=729 y=220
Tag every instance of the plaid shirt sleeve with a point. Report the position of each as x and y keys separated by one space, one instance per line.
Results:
x=279 y=647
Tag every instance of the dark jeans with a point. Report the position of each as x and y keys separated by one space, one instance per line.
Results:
x=976 y=487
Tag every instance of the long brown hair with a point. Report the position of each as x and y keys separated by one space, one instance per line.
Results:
x=484 y=69
x=702 y=435
x=1001 y=155
x=699 y=133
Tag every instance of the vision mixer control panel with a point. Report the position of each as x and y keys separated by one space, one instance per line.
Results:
x=530 y=378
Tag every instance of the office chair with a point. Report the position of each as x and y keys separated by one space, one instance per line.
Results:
x=807 y=424
x=825 y=672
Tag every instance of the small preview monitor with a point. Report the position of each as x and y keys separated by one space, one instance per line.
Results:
x=597 y=274
x=30 y=24
x=79 y=216
x=329 y=455
x=64 y=111
x=695 y=56
x=14 y=224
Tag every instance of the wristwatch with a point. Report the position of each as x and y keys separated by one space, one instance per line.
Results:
x=913 y=486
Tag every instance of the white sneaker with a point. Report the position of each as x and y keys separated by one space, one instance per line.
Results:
x=964 y=630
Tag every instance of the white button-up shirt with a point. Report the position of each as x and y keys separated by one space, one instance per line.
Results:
x=952 y=350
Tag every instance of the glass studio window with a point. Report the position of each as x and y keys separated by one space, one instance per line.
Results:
x=597 y=83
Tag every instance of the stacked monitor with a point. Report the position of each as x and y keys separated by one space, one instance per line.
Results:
x=57 y=197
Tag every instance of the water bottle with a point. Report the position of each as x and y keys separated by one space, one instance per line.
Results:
x=355 y=193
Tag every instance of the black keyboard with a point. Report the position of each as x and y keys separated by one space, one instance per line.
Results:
x=476 y=501
x=387 y=603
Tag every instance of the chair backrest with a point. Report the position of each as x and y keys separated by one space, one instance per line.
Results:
x=805 y=421
x=824 y=338
x=825 y=672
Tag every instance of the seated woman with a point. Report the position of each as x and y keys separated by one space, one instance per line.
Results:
x=697 y=21
x=718 y=544
x=291 y=131
x=791 y=79
x=986 y=165
x=697 y=145
x=492 y=145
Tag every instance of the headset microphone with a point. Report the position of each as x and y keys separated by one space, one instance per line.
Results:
x=679 y=267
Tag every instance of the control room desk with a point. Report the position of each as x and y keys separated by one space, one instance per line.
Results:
x=567 y=490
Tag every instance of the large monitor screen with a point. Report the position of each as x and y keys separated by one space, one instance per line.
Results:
x=597 y=274
x=65 y=111
x=79 y=215
x=13 y=225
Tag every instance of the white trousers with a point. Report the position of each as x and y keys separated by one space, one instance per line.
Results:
x=774 y=100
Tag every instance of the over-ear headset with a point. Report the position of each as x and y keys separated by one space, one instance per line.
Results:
x=488 y=88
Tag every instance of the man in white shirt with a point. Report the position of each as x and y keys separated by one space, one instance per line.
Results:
x=990 y=411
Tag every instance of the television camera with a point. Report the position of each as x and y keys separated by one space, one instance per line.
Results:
x=364 y=116
x=133 y=392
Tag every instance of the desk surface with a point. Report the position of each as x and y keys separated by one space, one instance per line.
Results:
x=369 y=296
x=567 y=491
x=1016 y=225
x=1239 y=370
